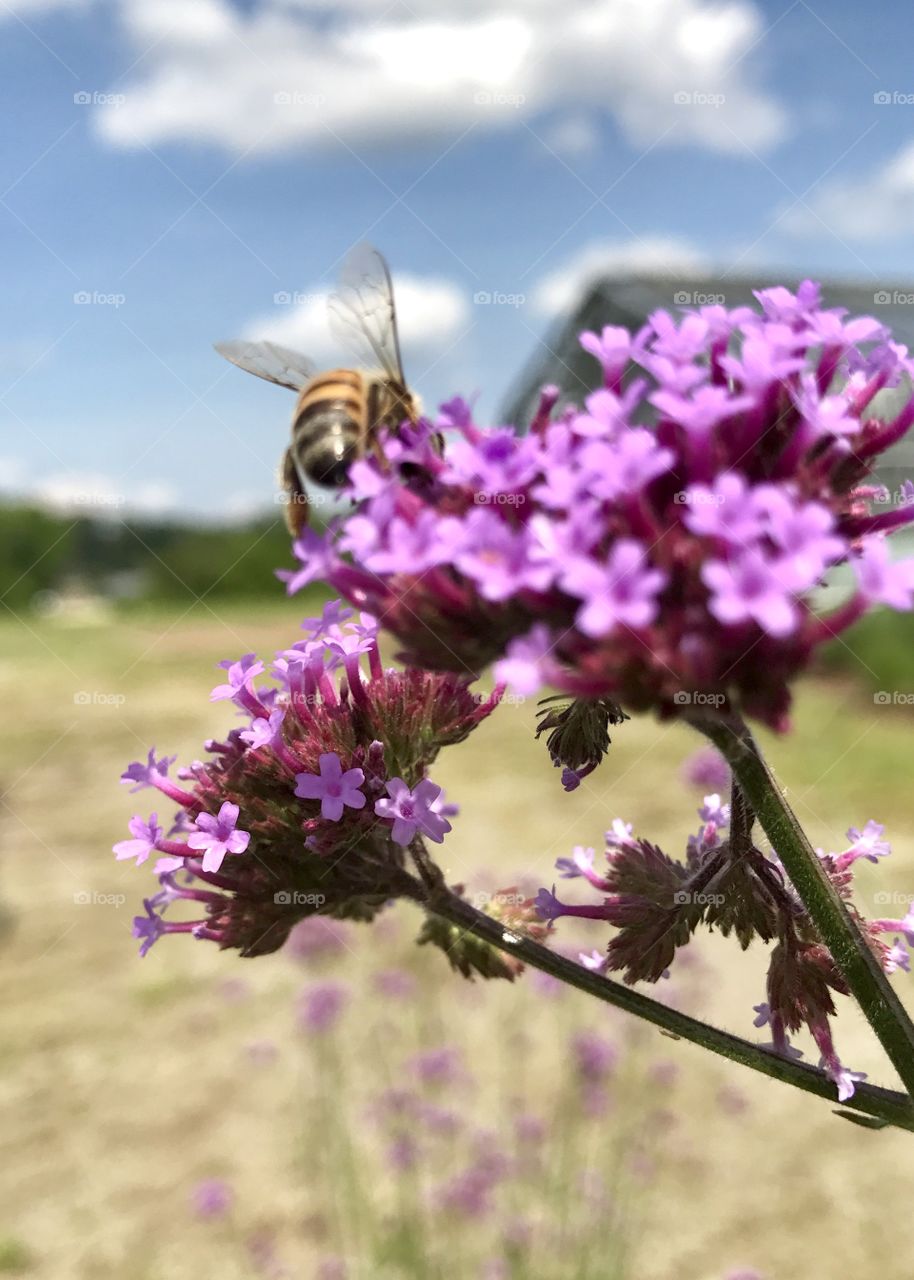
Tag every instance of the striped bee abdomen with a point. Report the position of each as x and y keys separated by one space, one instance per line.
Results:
x=330 y=421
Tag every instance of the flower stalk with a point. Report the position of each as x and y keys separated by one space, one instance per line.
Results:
x=852 y=953
x=885 y=1105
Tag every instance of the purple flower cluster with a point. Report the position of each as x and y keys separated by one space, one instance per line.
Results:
x=666 y=538
x=310 y=806
x=656 y=904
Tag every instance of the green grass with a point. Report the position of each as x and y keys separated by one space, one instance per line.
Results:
x=878 y=651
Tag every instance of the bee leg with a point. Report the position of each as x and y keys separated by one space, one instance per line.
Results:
x=378 y=451
x=296 y=509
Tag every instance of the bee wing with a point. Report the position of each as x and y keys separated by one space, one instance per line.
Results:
x=362 y=312
x=270 y=361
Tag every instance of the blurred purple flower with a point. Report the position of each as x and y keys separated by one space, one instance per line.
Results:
x=320 y=1006
x=397 y=984
x=212 y=1198
x=439 y=1066
x=706 y=768
x=318 y=936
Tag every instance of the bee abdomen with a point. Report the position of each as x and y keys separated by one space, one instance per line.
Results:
x=328 y=426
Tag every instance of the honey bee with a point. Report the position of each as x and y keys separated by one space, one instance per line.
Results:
x=339 y=412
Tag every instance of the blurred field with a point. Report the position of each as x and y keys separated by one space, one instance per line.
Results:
x=125 y=1083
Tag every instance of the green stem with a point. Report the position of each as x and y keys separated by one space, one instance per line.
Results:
x=870 y=1100
x=852 y=954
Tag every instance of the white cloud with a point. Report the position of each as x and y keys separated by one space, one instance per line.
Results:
x=653 y=255
x=431 y=313
x=871 y=206
x=574 y=135
x=12 y=476
x=177 y=22
x=289 y=75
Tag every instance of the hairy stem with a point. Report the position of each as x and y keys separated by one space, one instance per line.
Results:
x=852 y=954
x=869 y=1100
x=741 y=819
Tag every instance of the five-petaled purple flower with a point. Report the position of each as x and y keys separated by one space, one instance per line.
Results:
x=144 y=774
x=413 y=811
x=240 y=675
x=218 y=836
x=264 y=733
x=335 y=789
x=145 y=838
x=148 y=928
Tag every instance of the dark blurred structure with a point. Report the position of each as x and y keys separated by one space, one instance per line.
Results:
x=629 y=300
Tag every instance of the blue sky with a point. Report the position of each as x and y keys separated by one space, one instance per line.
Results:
x=175 y=172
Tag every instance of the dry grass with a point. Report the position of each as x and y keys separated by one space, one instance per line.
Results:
x=124 y=1082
